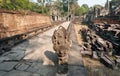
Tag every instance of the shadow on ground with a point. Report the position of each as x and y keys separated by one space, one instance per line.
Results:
x=61 y=69
x=51 y=56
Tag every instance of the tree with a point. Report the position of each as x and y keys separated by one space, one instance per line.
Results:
x=42 y=3
x=115 y=0
x=69 y=6
x=81 y=10
x=97 y=6
x=43 y=6
x=85 y=6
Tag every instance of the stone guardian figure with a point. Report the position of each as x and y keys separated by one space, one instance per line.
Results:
x=61 y=44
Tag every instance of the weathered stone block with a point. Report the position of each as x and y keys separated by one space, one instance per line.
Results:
x=22 y=66
x=7 y=66
x=2 y=73
x=18 y=73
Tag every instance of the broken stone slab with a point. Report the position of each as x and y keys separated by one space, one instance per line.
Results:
x=110 y=53
x=115 y=26
x=2 y=73
x=28 y=62
x=107 y=61
x=61 y=74
x=94 y=55
x=18 y=49
x=117 y=62
x=101 y=41
x=13 y=56
x=18 y=73
x=118 y=57
x=4 y=59
x=7 y=66
x=7 y=48
x=19 y=57
x=36 y=75
x=17 y=52
x=34 y=67
x=86 y=53
x=1 y=51
x=22 y=66
x=5 y=54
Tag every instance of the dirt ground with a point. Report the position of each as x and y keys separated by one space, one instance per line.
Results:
x=78 y=27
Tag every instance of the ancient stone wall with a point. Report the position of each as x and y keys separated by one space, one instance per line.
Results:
x=11 y=24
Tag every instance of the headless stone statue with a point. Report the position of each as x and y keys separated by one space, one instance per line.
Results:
x=61 y=44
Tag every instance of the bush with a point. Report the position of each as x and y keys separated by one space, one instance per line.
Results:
x=22 y=5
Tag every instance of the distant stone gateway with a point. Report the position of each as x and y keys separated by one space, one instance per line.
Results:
x=61 y=44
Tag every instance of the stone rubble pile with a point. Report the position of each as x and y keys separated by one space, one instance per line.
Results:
x=102 y=43
x=110 y=32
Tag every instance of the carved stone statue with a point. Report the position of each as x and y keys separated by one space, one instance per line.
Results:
x=61 y=44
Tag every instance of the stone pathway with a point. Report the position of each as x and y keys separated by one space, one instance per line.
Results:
x=36 y=57
x=76 y=67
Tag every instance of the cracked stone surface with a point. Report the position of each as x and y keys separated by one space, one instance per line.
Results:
x=2 y=73
x=7 y=66
x=22 y=66
x=36 y=57
x=17 y=73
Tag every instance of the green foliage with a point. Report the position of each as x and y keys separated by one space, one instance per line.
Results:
x=115 y=2
x=14 y=4
x=35 y=7
x=81 y=10
x=43 y=6
x=78 y=12
x=62 y=5
x=84 y=8
x=22 y=5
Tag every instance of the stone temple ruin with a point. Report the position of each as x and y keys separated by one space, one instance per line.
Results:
x=61 y=44
x=98 y=48
x=102 y=39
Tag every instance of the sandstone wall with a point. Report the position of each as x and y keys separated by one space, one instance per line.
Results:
x=11 y=24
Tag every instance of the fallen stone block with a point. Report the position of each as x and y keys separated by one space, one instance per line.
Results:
x=117 y=62
x=94 y=55
x=84 y=53
x=107 y=61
